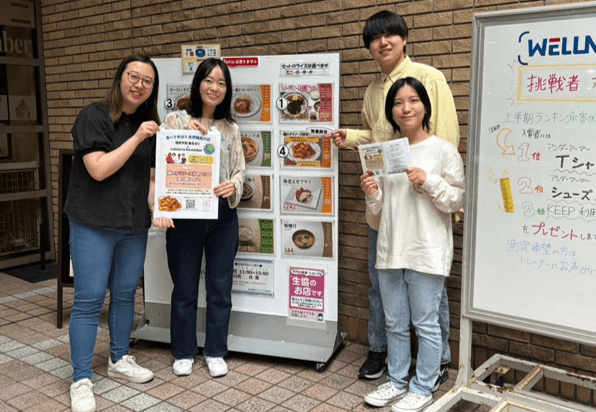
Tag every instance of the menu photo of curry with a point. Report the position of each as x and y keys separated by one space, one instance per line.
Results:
x=311 y=102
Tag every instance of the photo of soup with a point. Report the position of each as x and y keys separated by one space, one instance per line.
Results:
x=303 y=239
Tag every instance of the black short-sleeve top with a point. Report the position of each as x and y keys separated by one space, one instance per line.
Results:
x=119 y=202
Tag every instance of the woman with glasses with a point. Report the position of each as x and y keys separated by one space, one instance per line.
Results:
x=209 y=109
x=114 y=145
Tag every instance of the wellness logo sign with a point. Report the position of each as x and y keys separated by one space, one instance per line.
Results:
x=554 y=46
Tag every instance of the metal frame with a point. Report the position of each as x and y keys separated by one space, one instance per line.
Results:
x=470 y=385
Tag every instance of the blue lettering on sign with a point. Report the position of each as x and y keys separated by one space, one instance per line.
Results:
x=558 y=46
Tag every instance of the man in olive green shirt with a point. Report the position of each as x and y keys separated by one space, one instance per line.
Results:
x=385 y=36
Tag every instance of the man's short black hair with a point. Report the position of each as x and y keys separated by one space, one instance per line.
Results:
x=384 y=22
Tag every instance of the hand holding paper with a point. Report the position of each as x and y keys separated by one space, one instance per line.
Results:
x=386 y=158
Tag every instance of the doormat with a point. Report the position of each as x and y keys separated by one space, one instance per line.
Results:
x=32 y=273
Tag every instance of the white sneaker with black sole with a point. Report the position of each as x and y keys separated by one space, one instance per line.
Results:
x=385 y=394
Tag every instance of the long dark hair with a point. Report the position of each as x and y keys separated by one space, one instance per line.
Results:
x=148 y=110
x=195 y=107
x=422 y=94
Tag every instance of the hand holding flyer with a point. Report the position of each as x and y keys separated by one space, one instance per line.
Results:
x=386 y=158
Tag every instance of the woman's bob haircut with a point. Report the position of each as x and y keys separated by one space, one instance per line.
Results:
x=422 y=94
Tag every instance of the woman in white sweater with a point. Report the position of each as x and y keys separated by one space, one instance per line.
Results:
x=415 y=245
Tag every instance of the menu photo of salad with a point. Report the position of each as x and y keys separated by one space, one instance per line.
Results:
x=305 y=102
x=251 y=103
x=306 y=194
x=301 y=238
x=256 y=146
x=256 y=235
x=307 y=150
x=257 y=193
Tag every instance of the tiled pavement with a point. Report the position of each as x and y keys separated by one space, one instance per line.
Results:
x=35 y=371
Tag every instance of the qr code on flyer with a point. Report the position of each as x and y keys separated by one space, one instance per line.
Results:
x=190 y=204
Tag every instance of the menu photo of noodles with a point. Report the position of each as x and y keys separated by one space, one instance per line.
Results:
x=306 y=102
x=257 y=193
x=256 y=146
x=307 y=150
x=307 y=194
x=251 y=103
x=256 y=235
x=301 y=238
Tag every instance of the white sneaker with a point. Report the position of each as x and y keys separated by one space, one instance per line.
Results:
x=183 y=367
x=217 y=366
x=81 y=396
x=412 y=403
x=385 y=394
x=127 y=368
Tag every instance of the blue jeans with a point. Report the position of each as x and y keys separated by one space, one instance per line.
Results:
x=377 y=336
x=412 y=296
x=103 y=260
x=185 y=244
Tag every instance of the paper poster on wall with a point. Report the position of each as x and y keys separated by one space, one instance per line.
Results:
x=22 y=108
x=305 y=150
x=186 y=171
x=253 y=277
x=194 y=54
x=307 y=294
x=3 y=107
x=257 y=148
x=176 y=96
x=257 y=193
x=300 y=103
x=256 y=236
x=306 y=194
x=303 y=238
x=251 y=103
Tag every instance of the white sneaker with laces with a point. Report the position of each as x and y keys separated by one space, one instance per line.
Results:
x=412 y=403
x=385 y=394
x=127 y=368
x=183 y=367
x=217 y=366
x=81 y=396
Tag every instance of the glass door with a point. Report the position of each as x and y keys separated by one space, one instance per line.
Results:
x=26 y=222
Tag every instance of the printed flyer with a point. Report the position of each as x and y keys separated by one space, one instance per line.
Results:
x=257 y=193
x=386 y=158
x=253 y=277
x=305 y=150
x=251 y=103
x=257 y=148
x=299 y=103
x=186 y=171
x=301 y=238
x=307 y=294
x=256 y=236
x=306 y=194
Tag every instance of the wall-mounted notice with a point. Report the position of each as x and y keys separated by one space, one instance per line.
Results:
x=531 y=199
x=306 y=102
x=302 y=238
x=253 y=277
x=194 y=54
x=251 y=103
x=306 y=150
x=256 y=236
x=307 y=294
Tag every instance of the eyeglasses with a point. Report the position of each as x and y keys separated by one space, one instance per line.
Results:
x=134 y=79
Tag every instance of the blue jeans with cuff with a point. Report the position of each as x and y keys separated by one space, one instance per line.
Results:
x=103 y=260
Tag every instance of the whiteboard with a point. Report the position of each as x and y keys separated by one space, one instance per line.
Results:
x=530 y=225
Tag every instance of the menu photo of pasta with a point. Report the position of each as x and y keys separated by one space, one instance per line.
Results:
x=251 y=103
x=256 y=235
x=311 y=103
x=257 y=193
x=256 y=146
x=301 y=238
x=306 y=194
x=305 y=150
